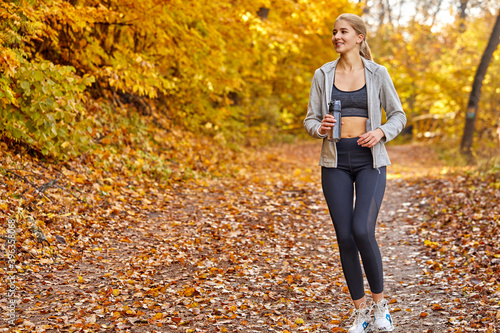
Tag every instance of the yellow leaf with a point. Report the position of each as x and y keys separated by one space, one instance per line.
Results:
x=299 y=321
x=116 y=292
x=189 y=291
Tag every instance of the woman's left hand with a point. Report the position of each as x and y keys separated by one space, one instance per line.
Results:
x=370 y=139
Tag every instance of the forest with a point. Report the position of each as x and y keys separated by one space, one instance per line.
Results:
x=140 y=140
x=89 y=77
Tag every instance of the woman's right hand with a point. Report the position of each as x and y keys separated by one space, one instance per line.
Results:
x=326 y=124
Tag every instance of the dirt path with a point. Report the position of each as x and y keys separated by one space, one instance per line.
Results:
x=412 y=296
x=404 y=260
x=251 y=254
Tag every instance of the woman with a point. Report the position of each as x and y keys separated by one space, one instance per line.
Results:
x=357 y=161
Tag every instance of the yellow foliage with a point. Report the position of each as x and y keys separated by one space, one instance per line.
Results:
x=205 y=70
x=194 y=59
x=433 y=70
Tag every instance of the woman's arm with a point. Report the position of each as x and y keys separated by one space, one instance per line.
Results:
x=314 y=115
x=396 y=118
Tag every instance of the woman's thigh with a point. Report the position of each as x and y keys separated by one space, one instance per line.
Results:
x=338 y=189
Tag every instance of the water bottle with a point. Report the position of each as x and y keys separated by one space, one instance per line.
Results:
x=335 y=110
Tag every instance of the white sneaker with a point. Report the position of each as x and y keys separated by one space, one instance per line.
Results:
x=362 y=320
x=382 y=319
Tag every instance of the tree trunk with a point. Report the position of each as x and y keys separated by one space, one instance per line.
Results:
x=436 y=12
x=475 y=94
x=462 y=8
x=263 y=12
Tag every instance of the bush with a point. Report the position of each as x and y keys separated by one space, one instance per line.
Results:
x=42 y=106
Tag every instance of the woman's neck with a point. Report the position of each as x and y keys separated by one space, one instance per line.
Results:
x=350 y=62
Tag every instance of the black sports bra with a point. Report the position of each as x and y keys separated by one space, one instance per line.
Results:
x=353 y=103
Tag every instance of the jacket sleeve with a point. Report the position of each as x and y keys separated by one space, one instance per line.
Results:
x=396 y=118
x=312 y=122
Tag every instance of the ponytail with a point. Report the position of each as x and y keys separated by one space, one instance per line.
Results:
x=365 y=51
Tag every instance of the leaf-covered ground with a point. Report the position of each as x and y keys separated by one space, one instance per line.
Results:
x=254 y=253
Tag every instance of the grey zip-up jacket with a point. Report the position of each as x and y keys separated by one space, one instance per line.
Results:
x=381 y=94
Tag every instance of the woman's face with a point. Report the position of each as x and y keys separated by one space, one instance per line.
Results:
x=345 y=38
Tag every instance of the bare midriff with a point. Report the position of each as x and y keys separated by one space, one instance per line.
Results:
x=352 y=127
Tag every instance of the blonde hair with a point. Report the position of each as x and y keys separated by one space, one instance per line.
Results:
x=359 y=26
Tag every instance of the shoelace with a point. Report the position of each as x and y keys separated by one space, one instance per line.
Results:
x=379 y=308
x=360 y=314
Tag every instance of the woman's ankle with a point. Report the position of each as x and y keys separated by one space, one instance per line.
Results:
x=360 y=303
x=377 y=297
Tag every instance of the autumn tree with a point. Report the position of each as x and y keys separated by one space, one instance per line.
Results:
x=173 y=74
x=214 y=68
x=431 y=79
x=473 y=104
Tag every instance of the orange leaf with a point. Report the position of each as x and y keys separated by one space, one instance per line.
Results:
x=437 y=307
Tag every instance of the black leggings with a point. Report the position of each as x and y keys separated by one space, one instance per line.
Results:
x=355 y=226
